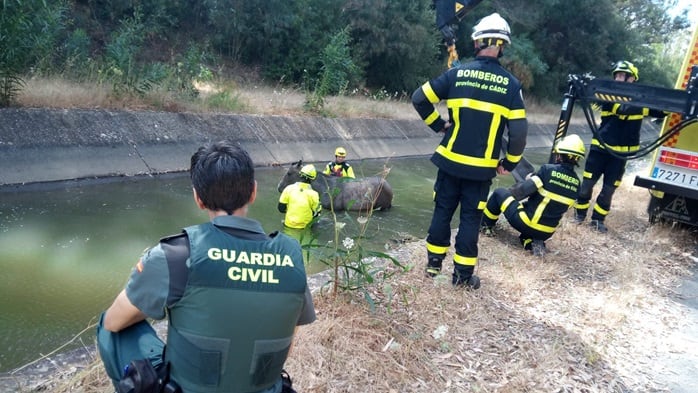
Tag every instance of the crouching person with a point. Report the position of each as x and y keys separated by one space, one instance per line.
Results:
x=233 y=296
x=550 y=192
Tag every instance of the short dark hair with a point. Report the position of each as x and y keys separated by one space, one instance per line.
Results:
x=223 y=176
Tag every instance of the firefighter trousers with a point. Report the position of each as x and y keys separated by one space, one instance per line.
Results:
x=503 y=202
x=599 y=163
x=449 y=193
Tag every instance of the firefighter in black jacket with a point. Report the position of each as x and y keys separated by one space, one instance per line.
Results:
x=482 y=99
x=619 y=132
x=550 y=192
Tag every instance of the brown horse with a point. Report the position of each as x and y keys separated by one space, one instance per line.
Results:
x=349 y=194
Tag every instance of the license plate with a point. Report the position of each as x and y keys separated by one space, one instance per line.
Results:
x=674 y=175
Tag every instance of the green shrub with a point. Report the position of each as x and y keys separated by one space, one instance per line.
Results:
x=188 y=69
x=77 y=54
x=337 y=72
x=120 y=66
x=10 y=86
x=225 y=101
x=29 y=32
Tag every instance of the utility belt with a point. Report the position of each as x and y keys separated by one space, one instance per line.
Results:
x=141 y=377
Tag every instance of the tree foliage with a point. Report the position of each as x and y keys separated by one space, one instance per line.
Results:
x=571 y=49
x=650 y=29
x=337 y=71
x=29 y=33
x=394 y=44
x=396 y=41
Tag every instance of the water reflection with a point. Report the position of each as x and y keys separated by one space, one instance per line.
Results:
x=65 y=253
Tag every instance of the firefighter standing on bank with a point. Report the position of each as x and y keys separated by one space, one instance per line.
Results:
x=482 y=99
x=549 y=193
x=339 y=167
x=620 y=132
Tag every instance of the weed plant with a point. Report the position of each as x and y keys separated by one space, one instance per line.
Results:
x=354 y=267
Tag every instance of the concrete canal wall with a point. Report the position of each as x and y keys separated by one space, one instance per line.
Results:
x=47 y=145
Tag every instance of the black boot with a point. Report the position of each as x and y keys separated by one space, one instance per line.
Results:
x=538 y=248
x=465 y=278
x=526 y=242
x=599 y=226
x=434 y=262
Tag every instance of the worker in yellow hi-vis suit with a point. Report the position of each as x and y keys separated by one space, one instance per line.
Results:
x=299 y=201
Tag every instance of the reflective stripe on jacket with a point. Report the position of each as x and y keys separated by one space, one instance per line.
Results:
x=558 y=185
x=620 y=126
x=481 y=97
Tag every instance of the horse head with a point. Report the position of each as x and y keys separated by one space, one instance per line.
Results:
x=291 y=176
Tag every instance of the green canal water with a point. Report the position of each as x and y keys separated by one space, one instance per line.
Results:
x=67 y=249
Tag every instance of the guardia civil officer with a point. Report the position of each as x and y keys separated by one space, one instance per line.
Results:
x=299 y=201
x=482 y=100
x=232 y=294
x=620 y=133
x=339 y=167
x=548 y=194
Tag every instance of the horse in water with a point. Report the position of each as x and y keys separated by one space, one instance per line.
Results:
x=349 y=194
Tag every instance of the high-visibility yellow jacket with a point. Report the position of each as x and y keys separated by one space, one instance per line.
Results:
x=339 y=169
x=302 y=204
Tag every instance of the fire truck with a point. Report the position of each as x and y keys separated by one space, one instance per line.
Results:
x=672 y=179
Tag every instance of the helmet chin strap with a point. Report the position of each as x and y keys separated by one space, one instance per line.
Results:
x=500 y=52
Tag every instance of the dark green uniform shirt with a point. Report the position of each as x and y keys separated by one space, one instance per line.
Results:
x=209 y=283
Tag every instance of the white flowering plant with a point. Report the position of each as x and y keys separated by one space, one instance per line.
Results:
x=352 y=265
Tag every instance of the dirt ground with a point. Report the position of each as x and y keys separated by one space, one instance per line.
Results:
x=598 y=313
x=594 y=315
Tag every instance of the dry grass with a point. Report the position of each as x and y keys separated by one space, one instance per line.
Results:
x=59 y=93
x=253 y=98
x=248 y=97
x=590 y=316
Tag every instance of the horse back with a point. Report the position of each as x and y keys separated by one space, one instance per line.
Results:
x=354 y=194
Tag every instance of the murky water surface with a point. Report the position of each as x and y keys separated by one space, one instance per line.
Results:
x=66 y=250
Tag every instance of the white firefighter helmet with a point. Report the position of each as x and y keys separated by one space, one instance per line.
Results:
x=493 y=30
x=309 y=172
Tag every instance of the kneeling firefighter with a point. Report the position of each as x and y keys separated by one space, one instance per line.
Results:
x=550 y=192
